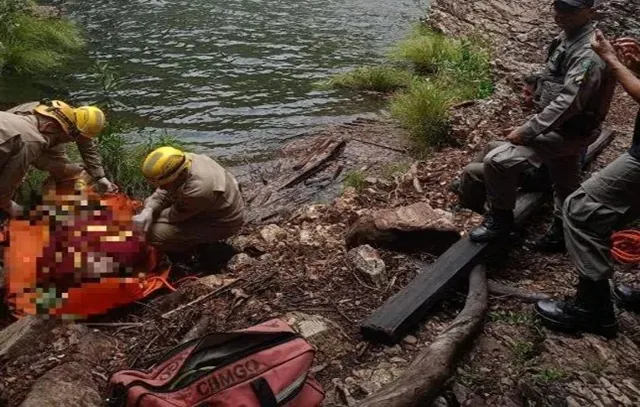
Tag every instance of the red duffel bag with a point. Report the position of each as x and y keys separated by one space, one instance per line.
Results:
x=263 y=366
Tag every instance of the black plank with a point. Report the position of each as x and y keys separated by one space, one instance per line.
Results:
x=408 y=307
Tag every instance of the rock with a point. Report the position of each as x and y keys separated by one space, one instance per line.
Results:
x=24 y=335
x=240 y=261
x=369 y=265
x=415 y=227
x=73 y=384
x=399 y=361
x=216 y=281
x=251 y=245
x=410 y=340
x=321 y=332
x=273 y=234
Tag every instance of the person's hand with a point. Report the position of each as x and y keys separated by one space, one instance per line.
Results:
x=142 y=221
x=603 y=47
x=15 y=210
x=628 y=50
x=106 y=186
x=515 y=137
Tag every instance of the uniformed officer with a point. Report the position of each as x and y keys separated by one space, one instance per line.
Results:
x=602 y=204
x=578 y=90
x=36 y=134
x=197 y=202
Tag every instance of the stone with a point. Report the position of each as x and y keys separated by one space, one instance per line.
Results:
x=273 y=234
x=322 y=333
x=216 y=281
x=240 y=262
x=416 y=227
x=369 y=265
x=24 y=335
x=410 y=340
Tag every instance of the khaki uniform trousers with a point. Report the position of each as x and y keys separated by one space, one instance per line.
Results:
x=604 y=203
x=186 y=236
x=562 y=156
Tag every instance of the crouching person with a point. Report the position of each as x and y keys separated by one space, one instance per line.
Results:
x=604 y=203
x=196 y=203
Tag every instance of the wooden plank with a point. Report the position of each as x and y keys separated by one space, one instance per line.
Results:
x=408 y=307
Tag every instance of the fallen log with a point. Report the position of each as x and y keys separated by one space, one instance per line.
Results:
x=423 y=381
x=408 y=307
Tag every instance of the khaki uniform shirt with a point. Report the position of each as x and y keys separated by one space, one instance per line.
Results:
x=21 y=144
x=575 y=90
x=210 y=197
x=56 y=156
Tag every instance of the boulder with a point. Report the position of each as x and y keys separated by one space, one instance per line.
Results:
x=414 y=227
x=369 y=265
x=240 y=262
x=322 y=333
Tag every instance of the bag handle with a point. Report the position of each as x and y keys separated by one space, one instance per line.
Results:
x=264 y=393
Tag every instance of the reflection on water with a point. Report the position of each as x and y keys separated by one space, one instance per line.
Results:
x=236 y=76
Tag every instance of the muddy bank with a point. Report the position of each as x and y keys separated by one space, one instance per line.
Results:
x=298 y=267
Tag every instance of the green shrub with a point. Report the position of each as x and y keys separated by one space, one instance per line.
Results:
x=424 y=111
x=425 y=50
x=355 y=180
x=372 y=78
x=33 y=45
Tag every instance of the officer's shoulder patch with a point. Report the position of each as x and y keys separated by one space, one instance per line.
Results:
x=585 y=67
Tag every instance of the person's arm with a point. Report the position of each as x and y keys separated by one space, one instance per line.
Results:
x=91 y=157
x=158 y=201
x=624 y=75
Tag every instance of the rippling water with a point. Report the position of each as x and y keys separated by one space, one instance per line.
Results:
x=236 y=76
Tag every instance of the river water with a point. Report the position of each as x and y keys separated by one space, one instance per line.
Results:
x=236 y=77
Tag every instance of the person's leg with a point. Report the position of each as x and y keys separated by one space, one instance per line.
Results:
x=591 y=214
x=565 y=174
x=502 y=169
x=185 y=237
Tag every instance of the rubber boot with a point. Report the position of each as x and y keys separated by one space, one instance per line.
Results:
x=553 y=241
x=591 y=310
x=497 y=225
x=627 y=298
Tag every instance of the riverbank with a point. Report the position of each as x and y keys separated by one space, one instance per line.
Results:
x=295 y=264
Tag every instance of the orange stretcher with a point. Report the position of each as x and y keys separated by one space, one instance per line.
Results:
x=32 y=269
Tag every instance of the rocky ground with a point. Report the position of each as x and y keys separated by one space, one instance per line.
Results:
x=295 y=265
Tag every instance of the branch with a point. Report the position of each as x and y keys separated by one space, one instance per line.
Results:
x=423 y=380
x=508 y=291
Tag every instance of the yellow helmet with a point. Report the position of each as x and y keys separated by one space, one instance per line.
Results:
x=90 y=121
x=164 y=165
x=61 y=113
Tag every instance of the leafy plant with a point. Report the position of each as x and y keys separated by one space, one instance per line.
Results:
x=355 y=179
x=550 y=375
x=372 y=78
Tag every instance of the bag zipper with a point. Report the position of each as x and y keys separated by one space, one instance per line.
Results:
x=292 y=391
x=167 y=387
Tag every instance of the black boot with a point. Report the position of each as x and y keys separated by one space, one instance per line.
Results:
x=553 y=241
x=627 y=298
x=591 y=310
x=497 y=225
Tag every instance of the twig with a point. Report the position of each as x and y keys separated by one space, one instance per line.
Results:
x=113 y=324
x=351 y=321
x=201 y=299
x=400 y=150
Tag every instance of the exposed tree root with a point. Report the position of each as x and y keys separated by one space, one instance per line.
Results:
x=423 y=381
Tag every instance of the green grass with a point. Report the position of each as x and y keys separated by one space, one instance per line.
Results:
x=512 y=318
x=424 y=111
x=355 y=180
x=31 y=45
x=523 y=352
x=549 y=375
x=371 y=78
x=433 y=72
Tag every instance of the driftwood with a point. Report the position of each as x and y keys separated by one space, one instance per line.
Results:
x=504 y=290
x=423 y=381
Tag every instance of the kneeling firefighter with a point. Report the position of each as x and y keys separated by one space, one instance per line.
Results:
x=196 y=203
x=36 y=134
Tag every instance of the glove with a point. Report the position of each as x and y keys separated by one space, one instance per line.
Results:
x=142 y=221
x=106 y=186
x=15 y=210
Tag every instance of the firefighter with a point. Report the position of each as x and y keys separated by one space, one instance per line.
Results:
x=196 y=203
x=579 y=90
x=601 y=205
x=36 y=134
